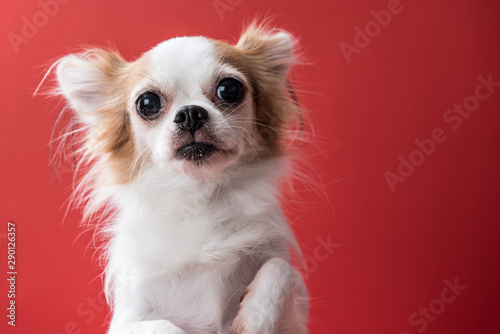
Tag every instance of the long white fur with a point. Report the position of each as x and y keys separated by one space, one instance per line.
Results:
x=188 y=241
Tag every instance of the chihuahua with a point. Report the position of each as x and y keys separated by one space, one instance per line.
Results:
x=186 y=149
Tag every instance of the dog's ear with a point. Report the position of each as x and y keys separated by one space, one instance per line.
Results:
x=91 y=81
x=268 y=54
x=270 y=50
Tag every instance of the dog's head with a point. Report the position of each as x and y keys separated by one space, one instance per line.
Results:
x=190 y=105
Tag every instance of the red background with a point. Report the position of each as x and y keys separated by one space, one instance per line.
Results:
x=393 y=249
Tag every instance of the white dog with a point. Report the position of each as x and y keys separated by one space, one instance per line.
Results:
x=186 y=146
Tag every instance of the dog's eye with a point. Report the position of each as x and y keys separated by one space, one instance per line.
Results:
x=149 y=105
x=230 y=90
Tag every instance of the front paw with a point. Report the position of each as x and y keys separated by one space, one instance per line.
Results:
x=164 y=327
x=253 y=320
x=146 y=327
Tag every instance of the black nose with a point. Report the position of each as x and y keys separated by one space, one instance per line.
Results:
x=190 y=118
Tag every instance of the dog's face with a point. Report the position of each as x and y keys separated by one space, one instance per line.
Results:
x=190 y=105
x=190 y=109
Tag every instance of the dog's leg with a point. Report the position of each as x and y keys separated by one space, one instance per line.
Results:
x=295 y=317
x=275 y=302
x=145 y=327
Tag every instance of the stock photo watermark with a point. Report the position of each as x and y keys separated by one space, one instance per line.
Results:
x=85 y=312
x=11 y=273
x=420 y=319
x=364 y=35
x=322 y=252
x=223 y=6
x=453 y=117
x=256 y=314
x=31 y=25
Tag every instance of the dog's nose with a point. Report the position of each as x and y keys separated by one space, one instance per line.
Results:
x=190 y=118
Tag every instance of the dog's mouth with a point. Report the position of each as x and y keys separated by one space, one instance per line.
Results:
x=196 y=152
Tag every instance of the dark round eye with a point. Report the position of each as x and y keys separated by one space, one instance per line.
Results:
x=230 y=90
x=149 y=105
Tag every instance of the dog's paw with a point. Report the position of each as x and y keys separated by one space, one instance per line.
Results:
x=160 y=327
x=252 y=320
x=166 y=327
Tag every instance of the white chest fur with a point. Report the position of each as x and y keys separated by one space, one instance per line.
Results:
x=185 y=251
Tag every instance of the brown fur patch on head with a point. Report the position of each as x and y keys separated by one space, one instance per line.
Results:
x=264 y=56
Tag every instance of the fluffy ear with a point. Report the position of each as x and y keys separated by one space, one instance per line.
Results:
x=267 y=56
x=273 y=50
x=89 y=82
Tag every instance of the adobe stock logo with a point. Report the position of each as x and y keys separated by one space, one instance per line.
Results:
x=322 y=252
x=30 y=26
x=373 y=28
x=453 y=118
x=86 y=311
x=425 y=315
x=222 y=6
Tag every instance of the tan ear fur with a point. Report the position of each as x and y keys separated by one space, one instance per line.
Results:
x=94 y=84
x=266 y=56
